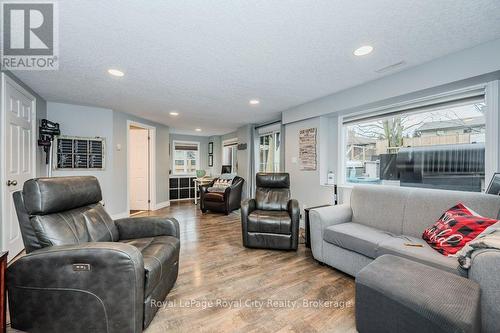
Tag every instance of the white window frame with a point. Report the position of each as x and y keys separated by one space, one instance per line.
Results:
x=266 y=133
x=491 y=98
x=230 y=143
x=198 y=166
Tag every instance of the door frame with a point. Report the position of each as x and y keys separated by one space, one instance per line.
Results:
x=151 y=166
x=3 y=136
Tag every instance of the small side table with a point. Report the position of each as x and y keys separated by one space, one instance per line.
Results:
x=199 y=182
x=307 y=224
x=3 y=307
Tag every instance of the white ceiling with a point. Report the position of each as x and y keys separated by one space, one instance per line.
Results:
x=206 y=59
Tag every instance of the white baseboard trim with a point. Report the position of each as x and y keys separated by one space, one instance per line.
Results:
x=160 y=205
x=120 y=215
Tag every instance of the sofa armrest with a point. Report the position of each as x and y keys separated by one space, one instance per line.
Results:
x=294 y=212
x=322 y=218
x=147 y=226
x=204 y=188
x=97 y=286
x=247 y=207
x=485 y=270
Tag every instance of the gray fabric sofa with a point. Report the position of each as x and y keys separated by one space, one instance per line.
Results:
x=380 y=220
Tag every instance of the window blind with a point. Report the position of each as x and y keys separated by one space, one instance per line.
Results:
x=185 y=146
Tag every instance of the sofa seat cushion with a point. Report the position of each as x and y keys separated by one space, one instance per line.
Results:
x=424 y=254
x=214 y=196
x=356 y=237
x=160 y=253
x=269 y=221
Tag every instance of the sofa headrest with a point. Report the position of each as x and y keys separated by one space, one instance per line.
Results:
x=51 y=195
x=273 y=180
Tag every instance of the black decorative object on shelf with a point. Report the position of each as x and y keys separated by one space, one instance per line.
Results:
x=242 y=146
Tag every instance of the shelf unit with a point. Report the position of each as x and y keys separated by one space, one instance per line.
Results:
x=73 y=152
x=182 y=188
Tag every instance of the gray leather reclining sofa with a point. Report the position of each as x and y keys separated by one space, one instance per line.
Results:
x=84 y=272
x=382 y=219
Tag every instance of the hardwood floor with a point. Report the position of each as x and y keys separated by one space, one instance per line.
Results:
x=224 y=287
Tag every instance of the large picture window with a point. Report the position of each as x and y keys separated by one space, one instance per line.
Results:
x=186 y=157
x=433 y=147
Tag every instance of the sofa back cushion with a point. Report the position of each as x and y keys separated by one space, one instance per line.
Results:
x=380 y=207
x=409 y=211
x=63 y=210
x=83 y=224
x=425 y=206
x=51 y=195
x=273 y=191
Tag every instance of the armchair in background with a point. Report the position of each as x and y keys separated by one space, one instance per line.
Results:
x=223 y=200
x=271 y=220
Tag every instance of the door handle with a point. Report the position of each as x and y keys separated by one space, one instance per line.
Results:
x=11 y=182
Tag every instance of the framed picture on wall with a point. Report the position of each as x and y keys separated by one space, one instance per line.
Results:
x=210 y=160
x=210 y=148
x=494 y=187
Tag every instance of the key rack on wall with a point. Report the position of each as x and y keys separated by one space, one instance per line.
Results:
x=76 y=153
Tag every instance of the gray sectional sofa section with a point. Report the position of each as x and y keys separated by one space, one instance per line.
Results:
x=380 y=220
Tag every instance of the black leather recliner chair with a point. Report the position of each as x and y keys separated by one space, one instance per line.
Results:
x=84 y=272
x=224 y=202
x=271 y=220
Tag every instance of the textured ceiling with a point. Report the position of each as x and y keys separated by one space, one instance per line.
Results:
x=206 y=59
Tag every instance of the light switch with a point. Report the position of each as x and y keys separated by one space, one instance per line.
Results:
x=119 y=147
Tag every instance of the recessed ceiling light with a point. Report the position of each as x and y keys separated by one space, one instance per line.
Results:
x=254 y=102
x=363 y=50
x=174 y=113
x=115 y=72
x=198 y=129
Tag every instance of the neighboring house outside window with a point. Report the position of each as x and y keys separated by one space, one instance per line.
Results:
x=442 y=147
x=186 y=157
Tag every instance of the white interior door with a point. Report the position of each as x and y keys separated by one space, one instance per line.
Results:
x=139 y=168
x=19 y=159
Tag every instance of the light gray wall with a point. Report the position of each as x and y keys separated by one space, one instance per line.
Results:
x=77 y=120
x=306 y=185
x=202 y=140
x=41 y=113
x=228 y=136
x=481 y=60
x=244 y=160
x=120 y=178
x=465 y=68
x=216 y=168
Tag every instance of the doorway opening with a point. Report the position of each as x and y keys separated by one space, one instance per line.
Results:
x=140 y=168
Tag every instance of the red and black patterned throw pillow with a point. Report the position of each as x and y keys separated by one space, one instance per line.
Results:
x=455 y=228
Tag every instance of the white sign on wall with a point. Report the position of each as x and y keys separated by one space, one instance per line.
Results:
x=307 y=149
